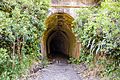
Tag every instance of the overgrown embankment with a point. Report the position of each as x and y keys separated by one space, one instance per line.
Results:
x=21 y=25
x=98 y=29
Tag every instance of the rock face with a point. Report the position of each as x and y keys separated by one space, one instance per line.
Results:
x=70 y=6
x=74 y=2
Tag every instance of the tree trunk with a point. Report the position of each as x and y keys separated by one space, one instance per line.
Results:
x=19 y=49
x=13 y=55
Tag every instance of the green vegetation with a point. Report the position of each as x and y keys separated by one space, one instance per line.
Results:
x=21 y=25
x=98 y=29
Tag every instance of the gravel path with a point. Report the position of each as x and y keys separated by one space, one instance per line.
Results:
x=59 y=71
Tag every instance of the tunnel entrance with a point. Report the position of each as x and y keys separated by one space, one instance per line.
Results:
x=58 y=39
x=58 y=45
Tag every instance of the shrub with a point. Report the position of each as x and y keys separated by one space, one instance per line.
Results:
x=98 y=29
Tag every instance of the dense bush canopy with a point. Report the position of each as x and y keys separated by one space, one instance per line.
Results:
x=21 y=26
x=98 y=29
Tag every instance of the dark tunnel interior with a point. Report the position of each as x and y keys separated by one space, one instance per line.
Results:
x=58 y=45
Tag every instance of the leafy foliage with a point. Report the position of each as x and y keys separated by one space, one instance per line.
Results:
x=21 y=26
x=4 y=58
x=98 y=29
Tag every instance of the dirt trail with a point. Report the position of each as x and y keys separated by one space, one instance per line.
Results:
x=58 y=70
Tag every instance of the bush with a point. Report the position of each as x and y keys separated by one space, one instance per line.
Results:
x=4 y=60
x=98 y=29
x=21 y=26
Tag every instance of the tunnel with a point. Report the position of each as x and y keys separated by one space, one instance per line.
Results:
x=57 y=45
x=58 y=39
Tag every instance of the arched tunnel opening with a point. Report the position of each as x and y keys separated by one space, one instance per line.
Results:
x=57 y=45
x=58 y=39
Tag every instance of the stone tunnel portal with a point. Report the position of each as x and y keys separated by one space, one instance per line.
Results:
x=58 y=39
